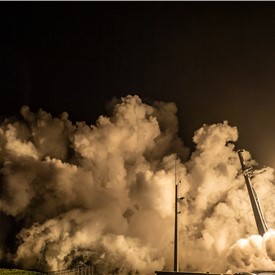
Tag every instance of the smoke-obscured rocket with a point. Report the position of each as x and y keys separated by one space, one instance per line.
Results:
x=259 y=217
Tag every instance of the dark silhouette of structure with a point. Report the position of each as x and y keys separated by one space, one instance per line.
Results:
x=256 y=207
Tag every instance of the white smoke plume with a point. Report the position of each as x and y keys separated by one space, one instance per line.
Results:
x=104 y=194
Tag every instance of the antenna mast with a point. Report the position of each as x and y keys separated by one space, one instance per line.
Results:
x=177 y=200
x=176 y=257
x=259 y=217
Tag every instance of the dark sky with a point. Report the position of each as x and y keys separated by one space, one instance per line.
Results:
x=216 y=60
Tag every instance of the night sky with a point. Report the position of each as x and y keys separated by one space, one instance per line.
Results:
x=215 y=60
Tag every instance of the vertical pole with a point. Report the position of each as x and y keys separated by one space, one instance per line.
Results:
x=176 y=262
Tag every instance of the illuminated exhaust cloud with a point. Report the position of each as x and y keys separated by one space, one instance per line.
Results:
x=104 y=194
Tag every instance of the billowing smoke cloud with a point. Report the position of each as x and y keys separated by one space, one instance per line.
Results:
x=219 y=211
x=104 y=194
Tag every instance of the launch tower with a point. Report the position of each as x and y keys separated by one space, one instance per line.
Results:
x=256 y=207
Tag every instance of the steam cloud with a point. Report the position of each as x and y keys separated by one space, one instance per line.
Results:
x=104 y=194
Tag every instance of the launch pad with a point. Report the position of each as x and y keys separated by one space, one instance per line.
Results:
x=257 y=212
x=208 y=273
x=184 y=273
